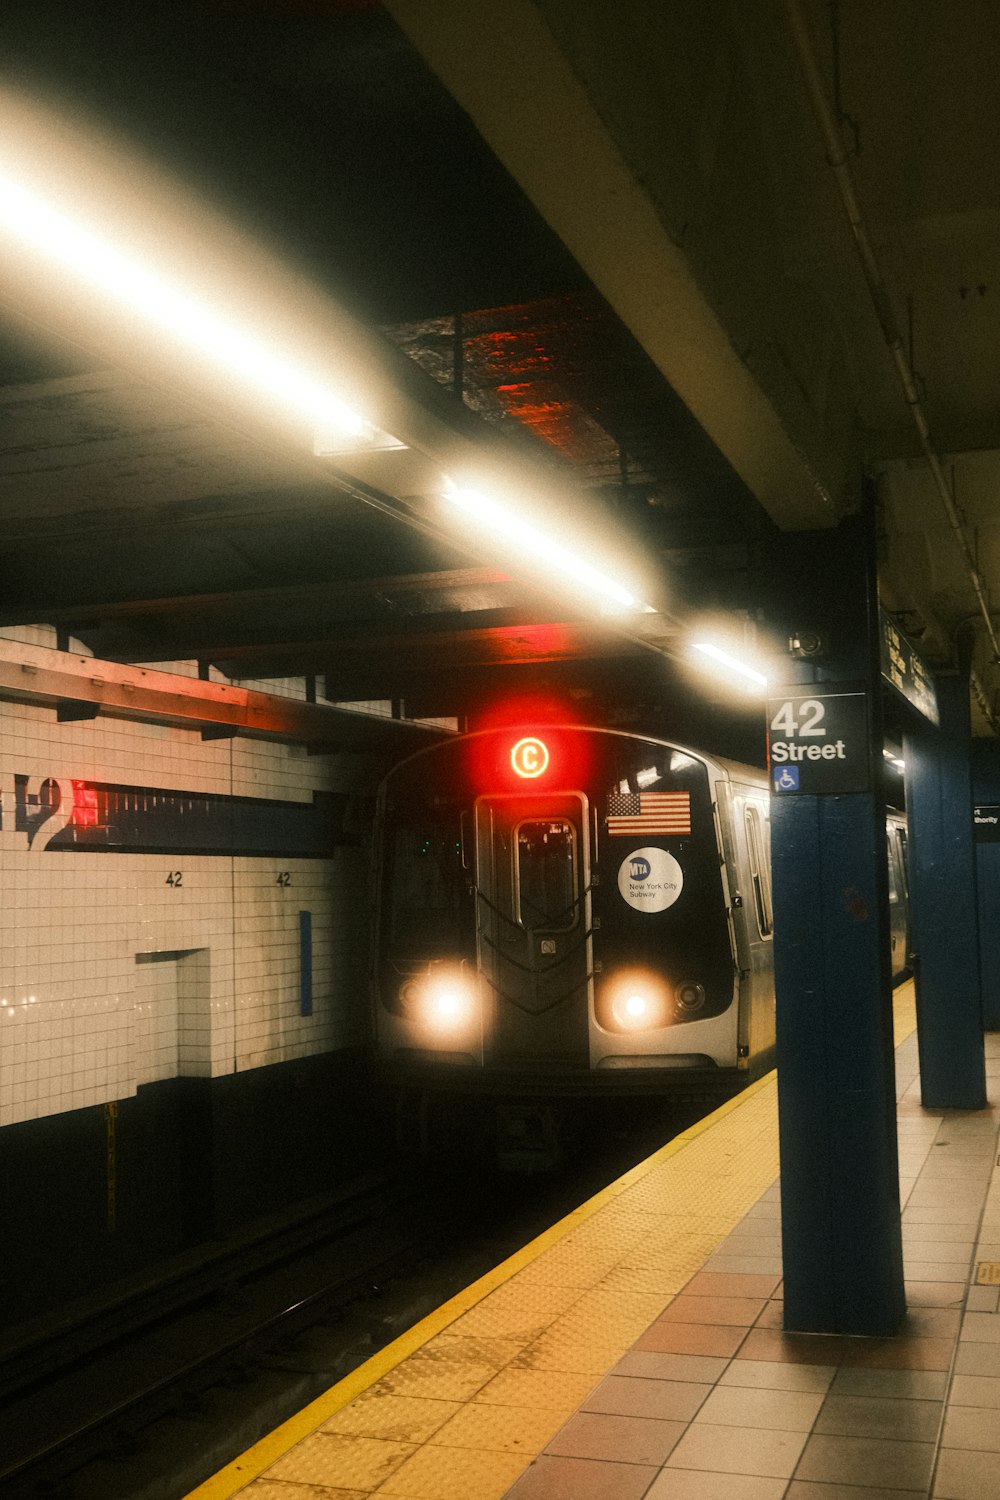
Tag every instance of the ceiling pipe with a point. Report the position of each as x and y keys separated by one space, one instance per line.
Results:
x=878 y=289
x=979 y=693
x=964 y=655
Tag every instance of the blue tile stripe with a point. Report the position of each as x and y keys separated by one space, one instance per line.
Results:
x=305 y=963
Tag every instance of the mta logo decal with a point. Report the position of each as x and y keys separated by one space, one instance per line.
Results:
x=639 y=869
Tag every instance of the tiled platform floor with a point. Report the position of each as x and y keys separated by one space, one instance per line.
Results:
x=636 y=1352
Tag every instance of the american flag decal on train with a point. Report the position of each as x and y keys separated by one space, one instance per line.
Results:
x=649 y=812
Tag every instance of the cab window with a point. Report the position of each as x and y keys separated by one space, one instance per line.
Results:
x=546 y=879
x=425 y=887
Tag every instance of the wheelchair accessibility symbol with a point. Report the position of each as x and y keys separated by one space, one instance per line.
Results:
x=786 y=779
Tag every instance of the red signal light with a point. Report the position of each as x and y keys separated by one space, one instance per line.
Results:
x=529 y=757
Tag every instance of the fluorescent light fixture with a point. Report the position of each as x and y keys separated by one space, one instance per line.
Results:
x=543 y=549
x=731 y=663
x=333 y=436
x=95 y=260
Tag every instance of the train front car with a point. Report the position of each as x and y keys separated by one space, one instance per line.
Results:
x=572 y=911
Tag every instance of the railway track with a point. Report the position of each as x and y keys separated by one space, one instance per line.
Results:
x=94 y=1388
x=143 y=1398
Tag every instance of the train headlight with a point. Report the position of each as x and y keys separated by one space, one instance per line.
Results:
x=635 y=1009
x=447 y=1003
x=637 y=1006
x=444 y=998
x=633 y=1001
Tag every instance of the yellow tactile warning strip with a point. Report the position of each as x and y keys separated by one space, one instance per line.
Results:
x=461 y=1404
x=904 y=1012
x=518 y=1350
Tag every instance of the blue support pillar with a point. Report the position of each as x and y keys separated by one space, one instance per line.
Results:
x=843 y=1264
x=986 y=790
x=943 y=905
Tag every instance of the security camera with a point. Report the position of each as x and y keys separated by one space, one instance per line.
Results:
x=807 y=644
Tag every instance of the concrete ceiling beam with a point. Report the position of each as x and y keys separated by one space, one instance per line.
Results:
x=502 y=63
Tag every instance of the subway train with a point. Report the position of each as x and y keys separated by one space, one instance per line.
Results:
x=573 y=910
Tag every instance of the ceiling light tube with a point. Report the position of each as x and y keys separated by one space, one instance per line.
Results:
x=543 y=549
x=731 y=663
x=182 y=315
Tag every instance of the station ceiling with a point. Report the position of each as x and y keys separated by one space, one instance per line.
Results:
x=595 y=251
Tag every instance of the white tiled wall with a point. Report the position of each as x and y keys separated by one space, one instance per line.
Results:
x=381 y=707
x=81 y=1021
x=157 y=1021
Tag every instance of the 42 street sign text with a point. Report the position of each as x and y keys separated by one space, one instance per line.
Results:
x=817 y=742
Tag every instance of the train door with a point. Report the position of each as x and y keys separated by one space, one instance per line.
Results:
x=756 y=918
x=533 y=928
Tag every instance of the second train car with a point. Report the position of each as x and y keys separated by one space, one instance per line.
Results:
x=573 y=910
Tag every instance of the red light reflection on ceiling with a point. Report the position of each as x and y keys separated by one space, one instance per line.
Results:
x=527 y=709
x=561 y=367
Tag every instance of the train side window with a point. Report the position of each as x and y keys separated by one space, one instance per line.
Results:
x=760 y=872
x=895 y=835
x=894 y=876
x=546 y=876
x=904 y=868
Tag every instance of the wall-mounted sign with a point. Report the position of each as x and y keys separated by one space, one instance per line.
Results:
x=903 y=668
x=63 y=814
x=986 y=822
x=817 y=742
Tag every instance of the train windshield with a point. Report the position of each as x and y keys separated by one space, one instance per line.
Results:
x=546 y=874
x=426 y=887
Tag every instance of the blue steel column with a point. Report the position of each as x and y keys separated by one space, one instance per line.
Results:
x=943 y=904
x=843 y=1263
x=986 y=789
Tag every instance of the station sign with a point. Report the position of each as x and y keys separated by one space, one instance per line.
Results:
x=905 y=670
x=986 y=822
x=65 y=815
x=817 y=742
